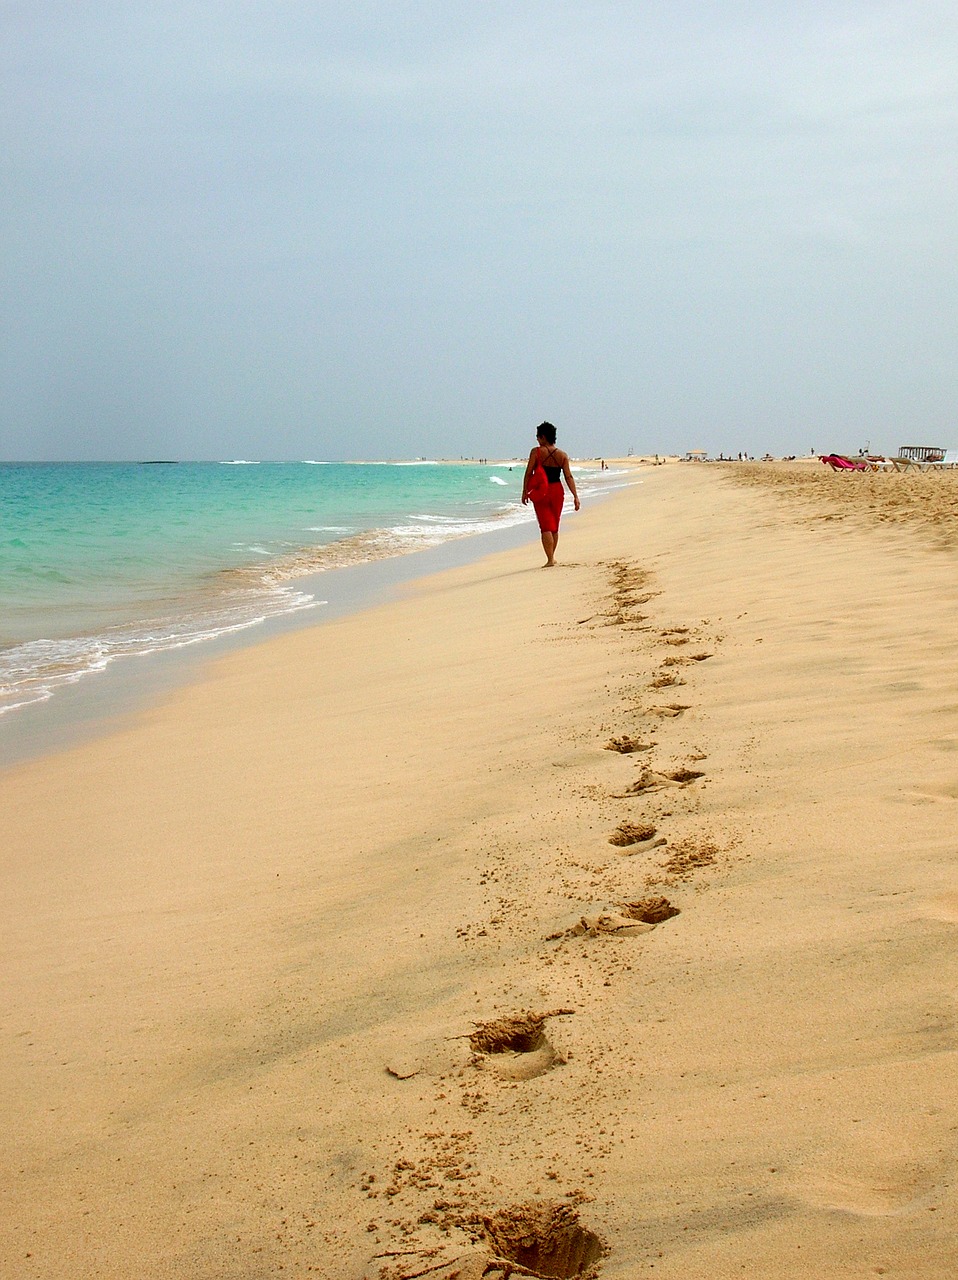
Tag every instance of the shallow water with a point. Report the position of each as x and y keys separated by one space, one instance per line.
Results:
x=100 y=561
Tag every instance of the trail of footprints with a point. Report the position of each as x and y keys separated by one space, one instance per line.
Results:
x=544 y=1238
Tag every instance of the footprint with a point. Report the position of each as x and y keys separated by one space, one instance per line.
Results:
x=684 y=776
x=605 y=922
x=669 y=711
x=666 y=681
x=649 y=910
x=516 y=1046
x=626 y=745
x=630 y=839
x=641 y=846
x=631 y=833
x=676 y=636
x=626 y=920
x=646 y=782
x=650 y=780
x=544 y=1239
x=686 y=858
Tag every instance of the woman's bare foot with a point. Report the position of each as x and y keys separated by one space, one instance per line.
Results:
x=549 y=541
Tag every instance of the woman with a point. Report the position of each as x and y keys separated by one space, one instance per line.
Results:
x=547 y=492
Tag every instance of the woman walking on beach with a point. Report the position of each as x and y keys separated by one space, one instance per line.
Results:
x=542 y=483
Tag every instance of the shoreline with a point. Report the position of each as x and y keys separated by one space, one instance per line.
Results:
x=250 y=934
x=100 y=699
x=72 y=709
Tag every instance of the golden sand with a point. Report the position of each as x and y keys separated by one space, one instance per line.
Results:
x=326 y=965
x=924 y=500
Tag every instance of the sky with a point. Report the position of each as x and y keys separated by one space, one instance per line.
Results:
x=418 y=228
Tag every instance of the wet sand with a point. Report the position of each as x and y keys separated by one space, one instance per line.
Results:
x=351 y=957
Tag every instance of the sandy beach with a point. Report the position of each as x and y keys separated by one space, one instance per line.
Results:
x=598 y=917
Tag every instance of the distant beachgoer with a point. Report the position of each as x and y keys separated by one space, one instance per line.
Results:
x=548 y=495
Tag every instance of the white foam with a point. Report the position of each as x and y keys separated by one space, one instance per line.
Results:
x=428 y=518
x=31 y=672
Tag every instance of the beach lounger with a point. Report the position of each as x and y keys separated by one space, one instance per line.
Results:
x=908 y=464
x=839 y=463
x=949 y=461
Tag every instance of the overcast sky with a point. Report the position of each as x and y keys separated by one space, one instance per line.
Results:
x=417 y=228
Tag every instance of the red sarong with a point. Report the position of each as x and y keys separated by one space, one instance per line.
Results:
x=548 y=508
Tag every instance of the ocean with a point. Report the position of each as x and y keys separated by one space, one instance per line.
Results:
x=103 y=561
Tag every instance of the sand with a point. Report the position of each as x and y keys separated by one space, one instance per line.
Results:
x=351 y=958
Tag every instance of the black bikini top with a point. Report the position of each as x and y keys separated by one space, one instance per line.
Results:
x=553 y=474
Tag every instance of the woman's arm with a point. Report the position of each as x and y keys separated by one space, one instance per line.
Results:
x=567 y=473
x=530 y=467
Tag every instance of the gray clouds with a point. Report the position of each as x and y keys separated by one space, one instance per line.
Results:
x=300 y=230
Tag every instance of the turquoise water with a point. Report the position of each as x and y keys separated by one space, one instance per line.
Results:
x=104 y=560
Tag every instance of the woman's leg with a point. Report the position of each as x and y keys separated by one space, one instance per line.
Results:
x=549 y=547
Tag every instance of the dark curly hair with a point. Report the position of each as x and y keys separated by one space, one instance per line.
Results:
x=547 y=432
